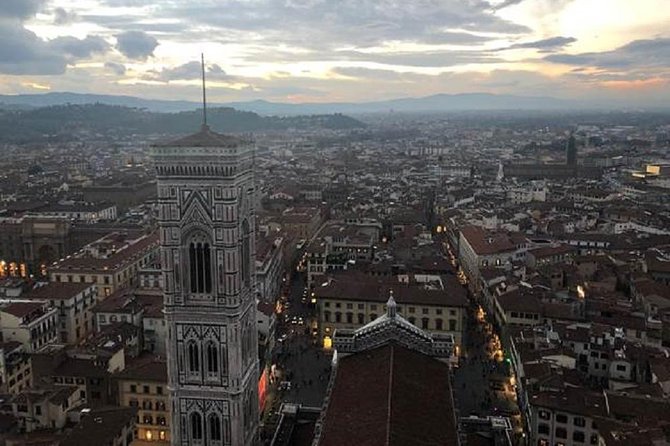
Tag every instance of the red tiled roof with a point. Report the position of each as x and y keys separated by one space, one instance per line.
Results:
x=548 y=251
x=204 y=138
x=57 y=290
x=145 y=368
x=371 y=289
x=484 y=242
x=22 y=309
x=121 y=258
x=390 y=396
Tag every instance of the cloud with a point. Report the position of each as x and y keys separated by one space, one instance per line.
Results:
x=22 y=52
x=116 y=68
x=325 y=24
x=550 y=44
x=189 y=71
x=506 y=4
x=79 y=48
x=638 y=53
x=136 y=44
x=20 y=9
x=425 y=58
x=62 y=17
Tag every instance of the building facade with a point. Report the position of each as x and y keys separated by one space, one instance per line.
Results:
x=206 y=217
x=143 y=385
x=74 y=302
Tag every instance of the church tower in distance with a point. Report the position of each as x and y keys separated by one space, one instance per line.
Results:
x=206 y=219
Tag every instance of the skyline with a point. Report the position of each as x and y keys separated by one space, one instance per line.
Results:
x=352 y=51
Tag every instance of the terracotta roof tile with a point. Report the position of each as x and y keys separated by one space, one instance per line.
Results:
x=390 y=396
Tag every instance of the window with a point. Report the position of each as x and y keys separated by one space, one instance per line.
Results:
x=412 y=309
x=561 y=432
x=350 y=318
x=452 y=325
x=579 y=421
x=326 y=316
x=246 y=254
x=561 y=418
x=212 y=358
x=161 y=421
x=594 y=439
x=326 y=304
x=133 y=388
x=544 y=415
x=373 y=307
x=621 y=368
x=38 y=410
x=424 y=310
x=214 y=428
x=145 y=389
x=338 y=317
x=196 y=426
x=412 y=320
x=438 y=324
x=200 y=265
x=148 y=419
x=133 y=403
x=159 y=390
x=543 y=429
x=373 y=316
x=193 y=357
x=102 y=319
x=361 y=306
x=424 y=323
x=361 y=318
x=578 y=437
x=350 y=306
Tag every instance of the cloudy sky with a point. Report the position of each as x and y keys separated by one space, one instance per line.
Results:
x=338 y=50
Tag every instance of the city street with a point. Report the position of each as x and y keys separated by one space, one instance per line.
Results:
x=303 y=366
x=482 y=382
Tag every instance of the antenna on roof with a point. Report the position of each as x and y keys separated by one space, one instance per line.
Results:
x=204 y=95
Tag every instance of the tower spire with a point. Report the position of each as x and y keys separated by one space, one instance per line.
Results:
x=204 y=95
x=391 y=308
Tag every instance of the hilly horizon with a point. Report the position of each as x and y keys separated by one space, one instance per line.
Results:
x=70 y=121
x=433 y=103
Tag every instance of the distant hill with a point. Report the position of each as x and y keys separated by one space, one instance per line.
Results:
x=69 y=121
x=435 y=103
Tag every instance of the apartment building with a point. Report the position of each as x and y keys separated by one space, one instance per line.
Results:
x=111 y=263
x=74 y=302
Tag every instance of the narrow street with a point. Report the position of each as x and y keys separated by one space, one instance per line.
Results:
x=303 y=369
x=482 y=381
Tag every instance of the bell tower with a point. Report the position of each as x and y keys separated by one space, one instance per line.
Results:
x=207 y=224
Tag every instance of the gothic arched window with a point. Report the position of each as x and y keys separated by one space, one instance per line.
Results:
x=246 y=254
x=224 y=361
x=193 y=357
x=196 y=426
x=212 y=358
x=214 y=427
x=200 y=265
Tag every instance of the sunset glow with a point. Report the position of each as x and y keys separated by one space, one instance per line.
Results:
x=320 y=51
